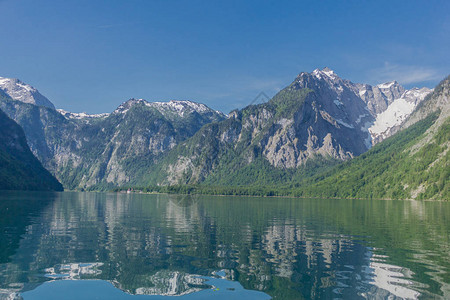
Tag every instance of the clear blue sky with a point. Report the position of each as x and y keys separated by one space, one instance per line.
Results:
x=93 y=55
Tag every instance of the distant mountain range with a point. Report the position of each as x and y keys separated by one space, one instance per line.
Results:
x=317 y=121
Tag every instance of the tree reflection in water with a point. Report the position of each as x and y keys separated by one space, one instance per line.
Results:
x=287 y=248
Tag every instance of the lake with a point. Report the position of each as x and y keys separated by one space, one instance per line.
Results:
x=136 y=246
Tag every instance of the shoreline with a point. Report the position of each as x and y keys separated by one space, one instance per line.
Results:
x=274 y=196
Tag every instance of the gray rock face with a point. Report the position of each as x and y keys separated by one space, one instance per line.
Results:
x=23 y=92
x=379 y=97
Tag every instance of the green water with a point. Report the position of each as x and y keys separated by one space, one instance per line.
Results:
x=124 y=246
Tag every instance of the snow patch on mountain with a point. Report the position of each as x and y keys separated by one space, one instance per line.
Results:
x=397 y=112
x=330 y=73
x=362 y=92
x=319 y=74
x=180 y=107
x=386 y=85
x=358 y=120
x=71 y=115
x=416 y=95
x=344 y=123
x=394 y=115
x=23 y=92
x=338 y=102
x=368 y=139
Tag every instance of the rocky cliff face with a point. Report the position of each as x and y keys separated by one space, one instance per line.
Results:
x=317 y=115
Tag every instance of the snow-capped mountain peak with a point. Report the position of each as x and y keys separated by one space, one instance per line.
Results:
x=376 y=109
x=327 y=71
x=125 y=106
x=416 y=95
x=178 y=107
x=319 y=74
x=23 y=92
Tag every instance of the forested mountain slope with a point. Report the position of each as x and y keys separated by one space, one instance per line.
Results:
x=19 y=168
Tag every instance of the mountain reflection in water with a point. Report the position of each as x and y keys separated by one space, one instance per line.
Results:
x=174 y=245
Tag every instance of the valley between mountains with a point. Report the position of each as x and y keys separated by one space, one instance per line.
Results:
x=321 y=136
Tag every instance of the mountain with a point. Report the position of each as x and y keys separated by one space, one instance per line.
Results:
x=85 y=151
x=412 y=164
x=19 y=168
x=317 y=120
x=23 y=92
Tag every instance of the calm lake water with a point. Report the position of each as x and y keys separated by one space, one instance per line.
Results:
x=129 y=246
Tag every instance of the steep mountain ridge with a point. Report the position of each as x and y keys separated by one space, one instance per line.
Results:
x=389 y=103
x=439 y=100
x=19 y=168
x=23 y=92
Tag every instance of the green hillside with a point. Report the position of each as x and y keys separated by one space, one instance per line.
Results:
x=399 y=168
